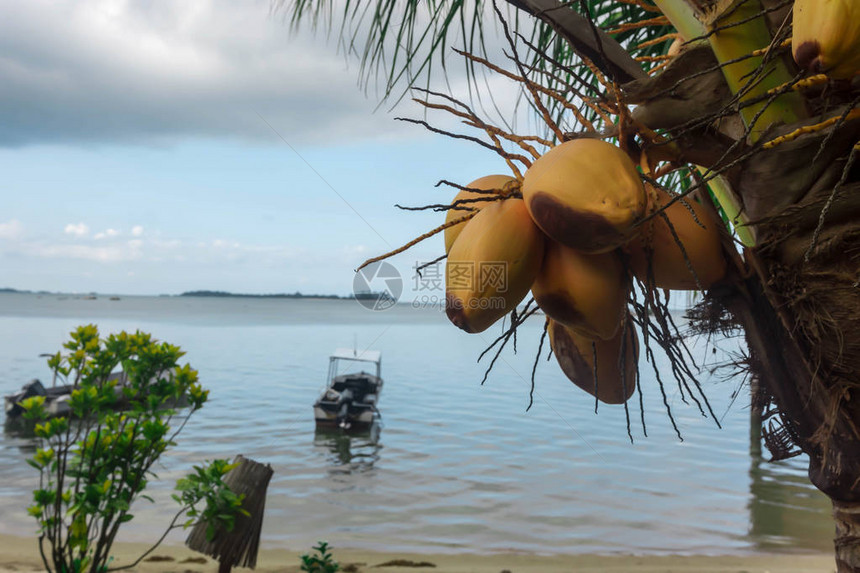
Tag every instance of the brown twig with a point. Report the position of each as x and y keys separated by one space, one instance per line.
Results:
x=658 y=21
x=417 y=240
x=655 y=41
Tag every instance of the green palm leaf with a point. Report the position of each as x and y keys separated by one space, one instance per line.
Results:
x=399 y=43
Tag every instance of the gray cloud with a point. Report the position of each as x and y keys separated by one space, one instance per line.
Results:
x=107 y=71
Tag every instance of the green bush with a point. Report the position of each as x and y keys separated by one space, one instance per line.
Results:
x=321 y=561
x=95 y=463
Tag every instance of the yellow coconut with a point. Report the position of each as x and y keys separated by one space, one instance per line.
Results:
x=826 y=37
x=489 y=183
x=699 y=235
x=585 y=292
x=576 y=353
x=492 y=265
x=585 y=194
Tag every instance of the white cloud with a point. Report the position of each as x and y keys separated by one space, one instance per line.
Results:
x=11 y=230
x=77 y=229
x=137 y=231
x=107 y=233
x=116 y=71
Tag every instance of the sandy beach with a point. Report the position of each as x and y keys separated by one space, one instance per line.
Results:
x=20 y=555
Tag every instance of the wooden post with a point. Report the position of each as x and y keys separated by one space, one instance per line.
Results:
x=238 y=547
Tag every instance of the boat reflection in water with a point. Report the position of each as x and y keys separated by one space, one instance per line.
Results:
x=349 y=452
x=785 y=509
x=20 y=432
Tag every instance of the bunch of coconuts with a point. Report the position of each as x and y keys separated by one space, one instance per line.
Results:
x=584 y=211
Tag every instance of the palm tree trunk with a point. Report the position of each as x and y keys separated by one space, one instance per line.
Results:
x=847 y=517
x=800 y=310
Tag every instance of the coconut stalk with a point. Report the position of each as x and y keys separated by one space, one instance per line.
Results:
x=731 y=44
x=683 y=17
x=731 y=206
x=737 y=28
x=733 y=37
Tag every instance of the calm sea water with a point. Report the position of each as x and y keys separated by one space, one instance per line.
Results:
x=457 y=466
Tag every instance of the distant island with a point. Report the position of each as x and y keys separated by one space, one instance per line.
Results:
x=219 y=293
x=17 y=291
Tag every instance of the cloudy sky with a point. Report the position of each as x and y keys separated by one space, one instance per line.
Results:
x=154 y=147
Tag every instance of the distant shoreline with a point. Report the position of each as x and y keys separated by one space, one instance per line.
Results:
x=210 y=293
x=224 y=294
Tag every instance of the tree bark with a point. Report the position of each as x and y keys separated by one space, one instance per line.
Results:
x=847 y=541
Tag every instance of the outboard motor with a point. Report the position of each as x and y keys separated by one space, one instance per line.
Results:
x=344 y=402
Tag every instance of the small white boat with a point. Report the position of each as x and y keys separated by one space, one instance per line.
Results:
x=349 y=399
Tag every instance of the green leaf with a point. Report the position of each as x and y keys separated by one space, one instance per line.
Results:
x=43 y=457
x=44 y=496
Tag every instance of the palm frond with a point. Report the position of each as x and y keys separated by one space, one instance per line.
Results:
x=399 y=43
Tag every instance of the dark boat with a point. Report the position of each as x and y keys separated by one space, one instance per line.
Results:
x=56 y=397
x=349 y=400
